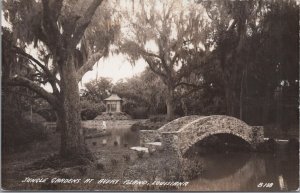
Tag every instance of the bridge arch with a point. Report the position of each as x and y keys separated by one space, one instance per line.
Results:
x=181 y=134
x=231 y=136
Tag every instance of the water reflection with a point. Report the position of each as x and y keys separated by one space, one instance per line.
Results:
x=228 y=172
x=247 y=172
x=122 y=137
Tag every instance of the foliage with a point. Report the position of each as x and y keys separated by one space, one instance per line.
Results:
x=48 y=114
x=145 y=91
x=19 y=133
x=91 y=110
x=100 y=166
x=59 y=41
x=126 y=157
x=114 y=162
x=171 y=37
x=140 y=154
x=88 y=114
x=97 y=90
x=139 y=113
x=251 y=42
x=157 y=118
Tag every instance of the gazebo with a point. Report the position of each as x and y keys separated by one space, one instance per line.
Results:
x=113 y=103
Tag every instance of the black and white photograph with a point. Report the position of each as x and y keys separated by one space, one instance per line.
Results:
x=150 y=95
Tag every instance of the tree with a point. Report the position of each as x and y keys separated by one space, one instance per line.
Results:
x=69 y=37
x=97 y=90
x=171 y=36
x=254 y=51
x=15 y=100
x=230 y=20
x=275 y=55
x=145 y=90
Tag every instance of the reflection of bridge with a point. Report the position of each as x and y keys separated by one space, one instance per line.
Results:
x=240 y=180
x=181 y=134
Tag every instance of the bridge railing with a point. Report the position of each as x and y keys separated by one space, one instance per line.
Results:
x=147 y=136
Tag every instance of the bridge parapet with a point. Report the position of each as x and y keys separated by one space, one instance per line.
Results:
x=177 y=124
x=181 y=134
x=147 y=136
x=170 y=141
x=258 y=134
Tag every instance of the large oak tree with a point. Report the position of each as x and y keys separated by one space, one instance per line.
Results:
x=61 y=40
x=172 y=37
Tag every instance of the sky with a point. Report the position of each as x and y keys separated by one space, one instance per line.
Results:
x=115 y=67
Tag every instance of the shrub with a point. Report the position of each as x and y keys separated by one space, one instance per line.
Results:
x=147 y=125
x=18 y=132
x=100 y=166
x=136 y=127
x=151 y=151
x=114 y=162
x=140 y=154
x=91 y=110
x=126 y=157
x=139 y=113
x=34 y=117
x=157 y=118
x=48 y=114
x=89 y=114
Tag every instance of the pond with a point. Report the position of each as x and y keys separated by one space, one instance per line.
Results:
x=121 y=137
x=247 y=172
x=229 y=171
x=229 y=165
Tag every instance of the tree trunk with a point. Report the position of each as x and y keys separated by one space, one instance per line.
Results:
x=69 y=119
x=184 y=107
x=266 y=106
x=242 y=96
x=170 y=104
x=230 y=97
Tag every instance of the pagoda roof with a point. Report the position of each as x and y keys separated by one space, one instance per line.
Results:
x=113 y=97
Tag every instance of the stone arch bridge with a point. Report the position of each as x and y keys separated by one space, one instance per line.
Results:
x=182 y=133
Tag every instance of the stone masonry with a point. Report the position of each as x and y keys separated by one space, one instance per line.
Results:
x=180 y=134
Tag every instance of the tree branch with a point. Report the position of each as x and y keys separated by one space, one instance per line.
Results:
x=189 y=92
x=28 y=56
x=56 y=7
x=155 y=70
x=49 y=24
x=84 y=22
x=51 y=78
x=144 y=52
x=233 y=24
x=24 y=82
x=194 y=88
x=188 y=84
x=88 y=65
x=163 y=59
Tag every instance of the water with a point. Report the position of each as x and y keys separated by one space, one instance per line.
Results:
x=240 y=171
x=121 y=137
x=247 y=172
